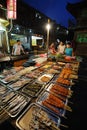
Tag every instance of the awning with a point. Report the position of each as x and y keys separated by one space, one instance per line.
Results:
x=4 y=22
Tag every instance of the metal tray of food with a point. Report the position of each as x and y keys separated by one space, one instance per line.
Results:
x=56 y=80
x=3 y=115
x=34 y=74
x=62 y=81
x=33 y=89
x=59 y=90
x=16 y=104
x=19 y=83
x=3 y=90
x=9 y=78
x=53 y=103
x=44 y=78
x=36 y=117
x=52 y=71
x=10 y=71
x=7 y=97
x=5 y=73
x=57 y=67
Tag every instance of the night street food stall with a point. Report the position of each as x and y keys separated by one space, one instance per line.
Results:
x=38 y=97
x=28 y=93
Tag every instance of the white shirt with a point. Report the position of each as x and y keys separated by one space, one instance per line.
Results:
x=17 y=49
x=61 y=49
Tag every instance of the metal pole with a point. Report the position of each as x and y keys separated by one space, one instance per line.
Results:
x=48 y=38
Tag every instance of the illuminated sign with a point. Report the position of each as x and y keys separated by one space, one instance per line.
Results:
x=82 y=37
x=11 y=9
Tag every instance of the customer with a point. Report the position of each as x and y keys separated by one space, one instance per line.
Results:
x=61 y=48
x=52 y=49
x=68 y=49
x=17 y=48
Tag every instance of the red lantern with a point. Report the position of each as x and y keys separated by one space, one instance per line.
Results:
x=11 y=9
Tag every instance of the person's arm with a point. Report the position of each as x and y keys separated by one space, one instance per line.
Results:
x=73 y=53
x=13 y=50
x=22 y=50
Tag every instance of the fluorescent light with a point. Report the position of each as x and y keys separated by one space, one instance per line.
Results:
x=35 y=37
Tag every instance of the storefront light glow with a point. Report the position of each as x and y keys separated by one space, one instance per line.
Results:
x=35 y=37
x=2 y=29
x=48 y=26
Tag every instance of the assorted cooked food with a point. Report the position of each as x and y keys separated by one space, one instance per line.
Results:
x=37 y=118
x=50 y=83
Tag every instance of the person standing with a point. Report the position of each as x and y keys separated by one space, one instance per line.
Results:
x=17 y=48
x=52 y=49
x=61 y=48
x=68 y=49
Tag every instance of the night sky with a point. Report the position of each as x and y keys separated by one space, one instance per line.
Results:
x=55 y=9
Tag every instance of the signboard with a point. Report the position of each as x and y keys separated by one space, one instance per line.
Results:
x=34 y=42
x=11 y=9
x=82 y=37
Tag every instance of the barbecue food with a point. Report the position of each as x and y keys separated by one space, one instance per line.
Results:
x=68 y=73
x=49 y=106
x=56 y=102
x=63 y=81
x=58 y=89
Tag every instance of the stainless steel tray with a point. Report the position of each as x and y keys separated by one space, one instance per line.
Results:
x=44 y=78
x=3 y=90
x=19 y=83
x=61 y=91
x=34 y=74
x=36 y=116
x=8 y=96
x=33 y=89
x=14 y=106
x=9 y=79
x=3 y=115
x=57 y=79
x=42 y=97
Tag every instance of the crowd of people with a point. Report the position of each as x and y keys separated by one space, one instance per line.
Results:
x=62 y=48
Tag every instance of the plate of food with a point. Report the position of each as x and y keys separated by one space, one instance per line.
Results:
x=45 y=78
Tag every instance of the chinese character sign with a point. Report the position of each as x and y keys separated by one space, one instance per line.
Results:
x=11 y=9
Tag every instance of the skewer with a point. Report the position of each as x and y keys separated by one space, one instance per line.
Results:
x=68 y=108
x=57 y=102
x=65 y=126
x=39 y=120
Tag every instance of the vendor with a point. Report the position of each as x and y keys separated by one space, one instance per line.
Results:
x=68 y=49
x=17 y=48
